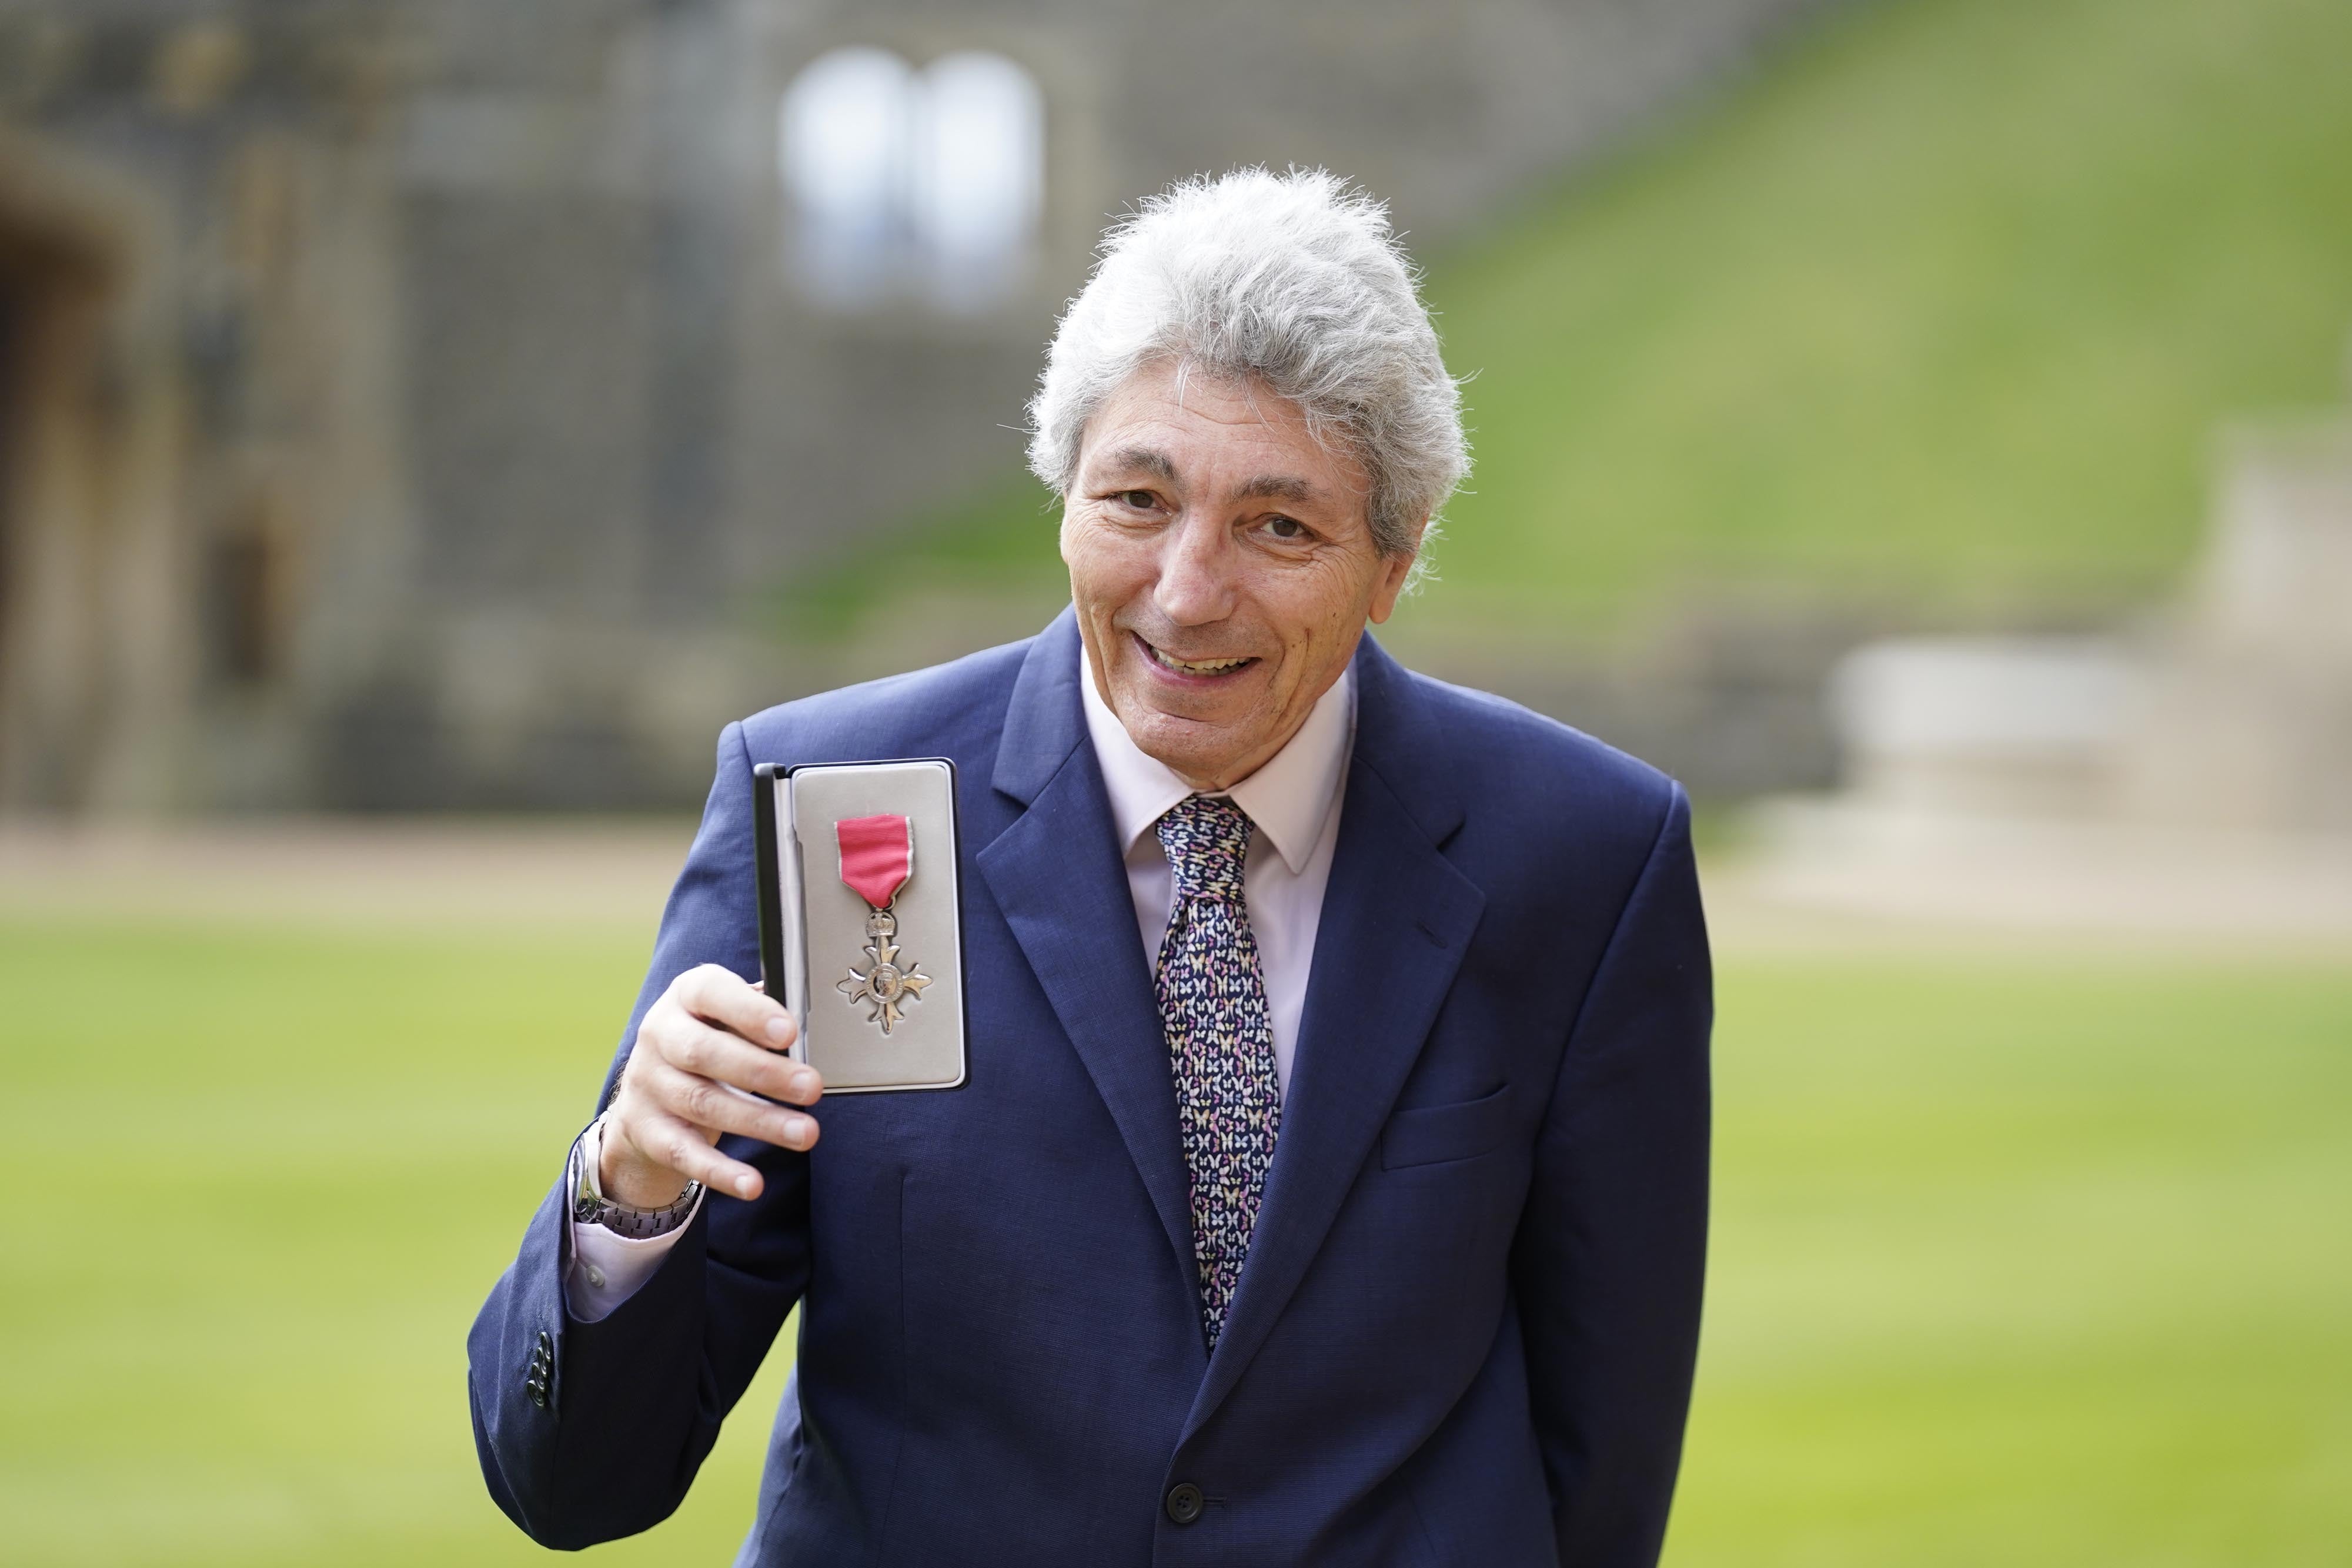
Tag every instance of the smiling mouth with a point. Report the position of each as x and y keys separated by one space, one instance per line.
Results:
x=1197 y=668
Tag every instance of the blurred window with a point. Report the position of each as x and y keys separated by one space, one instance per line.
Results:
x=243 y=606
x=930 y=182
x=978 y=174
x=844 y=129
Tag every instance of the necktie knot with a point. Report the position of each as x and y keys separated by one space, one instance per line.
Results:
x=1206 y=838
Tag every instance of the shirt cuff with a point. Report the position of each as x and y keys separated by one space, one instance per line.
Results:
x=608 y=1268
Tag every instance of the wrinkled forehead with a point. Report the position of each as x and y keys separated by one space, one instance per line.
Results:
x=1182 y=427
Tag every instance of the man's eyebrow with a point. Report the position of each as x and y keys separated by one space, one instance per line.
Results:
x=1150 y=459
x=1277 y=488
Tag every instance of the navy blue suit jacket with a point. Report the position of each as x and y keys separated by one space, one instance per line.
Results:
x=1465 y=1330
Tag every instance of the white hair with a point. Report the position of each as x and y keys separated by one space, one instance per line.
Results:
x=1294 y=281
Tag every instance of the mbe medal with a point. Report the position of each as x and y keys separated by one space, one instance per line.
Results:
x=838 y=948
x=877 y=856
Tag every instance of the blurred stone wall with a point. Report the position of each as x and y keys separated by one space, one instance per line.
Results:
x=2248 y=720
x=407 y=403
x=2229 y=713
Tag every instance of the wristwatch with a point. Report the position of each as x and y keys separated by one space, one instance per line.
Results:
x=590 y=1207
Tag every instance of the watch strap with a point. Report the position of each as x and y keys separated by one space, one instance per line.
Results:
x=590 y=1207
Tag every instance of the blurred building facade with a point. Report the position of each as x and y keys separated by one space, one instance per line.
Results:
x=401 y=401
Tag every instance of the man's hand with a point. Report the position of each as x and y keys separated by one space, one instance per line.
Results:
x=709 y=1031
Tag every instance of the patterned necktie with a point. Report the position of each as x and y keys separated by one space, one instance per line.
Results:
x=1220 y=1042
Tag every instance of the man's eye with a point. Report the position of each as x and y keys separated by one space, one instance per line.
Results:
x=1285 y=527
x=1141 y=500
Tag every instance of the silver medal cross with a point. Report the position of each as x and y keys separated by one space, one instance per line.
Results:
x=888 y=986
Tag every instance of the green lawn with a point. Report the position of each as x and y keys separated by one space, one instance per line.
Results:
x=1940 y=310
x=2015 y=1263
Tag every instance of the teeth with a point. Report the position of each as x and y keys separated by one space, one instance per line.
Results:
x=1198 y=667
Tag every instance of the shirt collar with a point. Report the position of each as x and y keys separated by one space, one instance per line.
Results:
x=1289 y=798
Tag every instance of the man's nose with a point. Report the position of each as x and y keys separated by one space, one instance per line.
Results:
x=1196 y=571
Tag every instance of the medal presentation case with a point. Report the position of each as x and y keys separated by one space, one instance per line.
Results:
x=859 y=928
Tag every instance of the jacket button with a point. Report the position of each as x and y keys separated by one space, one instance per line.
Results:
x=542 y=1369
x=1184 y=1502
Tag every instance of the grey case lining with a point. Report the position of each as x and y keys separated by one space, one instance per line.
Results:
x=825 y=927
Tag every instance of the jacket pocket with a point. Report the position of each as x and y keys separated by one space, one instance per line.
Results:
x=1426 y=1135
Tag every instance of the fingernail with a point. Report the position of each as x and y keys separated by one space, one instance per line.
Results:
x=780 y=1028
x=744 y=1187
x=804 y=1082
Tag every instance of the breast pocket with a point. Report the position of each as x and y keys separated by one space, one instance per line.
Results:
x=1426 y=1135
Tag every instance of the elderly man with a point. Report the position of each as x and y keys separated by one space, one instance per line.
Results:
x=1331 y=1182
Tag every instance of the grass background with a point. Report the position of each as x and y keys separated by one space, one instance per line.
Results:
x=2014 y=1262
x=1939 y=310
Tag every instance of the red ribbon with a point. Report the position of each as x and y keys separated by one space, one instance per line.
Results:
x=877 y=855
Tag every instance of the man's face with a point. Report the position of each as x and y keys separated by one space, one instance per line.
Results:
x=1222 y=566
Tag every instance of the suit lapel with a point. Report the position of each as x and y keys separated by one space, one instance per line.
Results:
x=1058 y=875
x=1397 y=917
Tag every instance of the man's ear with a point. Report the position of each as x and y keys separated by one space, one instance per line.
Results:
x=1396 y=570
